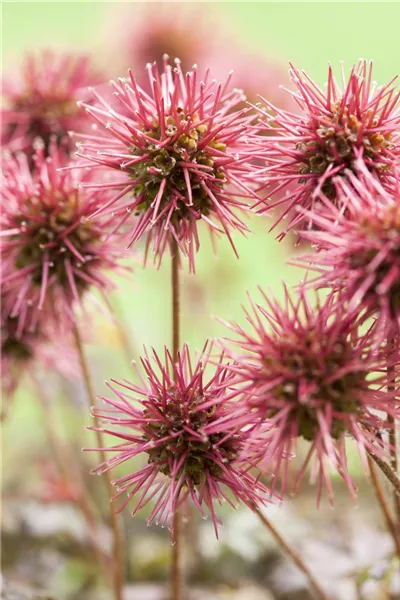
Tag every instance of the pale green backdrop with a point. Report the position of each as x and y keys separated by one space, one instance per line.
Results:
x=309 y=33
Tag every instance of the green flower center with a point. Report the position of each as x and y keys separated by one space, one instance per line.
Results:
x=336 y=145
x=166 y=163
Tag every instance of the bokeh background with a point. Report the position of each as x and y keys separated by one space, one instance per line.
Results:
x=45 y=550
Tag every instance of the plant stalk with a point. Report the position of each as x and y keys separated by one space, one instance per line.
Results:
x=387 y=471
x=391 y=348
x=176 y=567
x=295 y=556
x=68 y=471
x=380 y=494
x=117 y=552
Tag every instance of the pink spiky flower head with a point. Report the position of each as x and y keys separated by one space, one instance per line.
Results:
x=42 y=100
x=24 y=349
x=51 y=253
x=256 y=75
x=359 y=247
x=148 y=31
x=18 y=348
x=305 y=371
x=336 y=126
x=182 y=152
x=186 y=426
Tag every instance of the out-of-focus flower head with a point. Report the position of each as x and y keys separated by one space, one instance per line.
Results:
x=26 y=348
x=183 y=155
x=17 y=348
x=51 y=253
x=187 y=426
x=305 y=370
x=148 y=31
x=257 y=75
x=152 y=30
x=359 y=247
x=349 y=119
x=41 y=101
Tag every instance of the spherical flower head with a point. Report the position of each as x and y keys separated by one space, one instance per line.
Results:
x=187 y=428
x=359 y=248
x=255 y=75
x=305 y=370
x=42 y=100
x=17 y=351
x=149 y=32
x=184 y=155
x=51 y=253
x=25 y=348
x=347 y=120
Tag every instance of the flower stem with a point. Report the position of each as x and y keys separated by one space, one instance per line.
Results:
x=294 y=555
x=388 y=472
x=68 y=472
x=118 y=565
x=391 y=348
x=175 y=300
x=384 y=504
x=176 y=574
x=176 y=568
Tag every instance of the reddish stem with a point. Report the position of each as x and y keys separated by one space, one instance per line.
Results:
x=118 y=560
x=295 y=556
x=391 y=525
x=68 y=471
x=176 y=568
x=391 y=348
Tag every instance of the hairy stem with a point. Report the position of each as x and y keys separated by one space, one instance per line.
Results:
x=388 y=472
x=118 y=555
x=69 y=473
x=391 y=348
x=175 y=301
x=380 y=494
x=176 y=567
x=295 y=556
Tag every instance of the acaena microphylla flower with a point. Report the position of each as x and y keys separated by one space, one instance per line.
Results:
x=306 y=371
x=182 y=155
x=50 y=252
x=147 y=33
x=256 y=74
x=186 y=425
x=359 y=248
x=41 y=100
x=25 y=349
x=349 y=119
x=17 y=350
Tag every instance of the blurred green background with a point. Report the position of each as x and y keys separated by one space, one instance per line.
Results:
x=308 y=34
